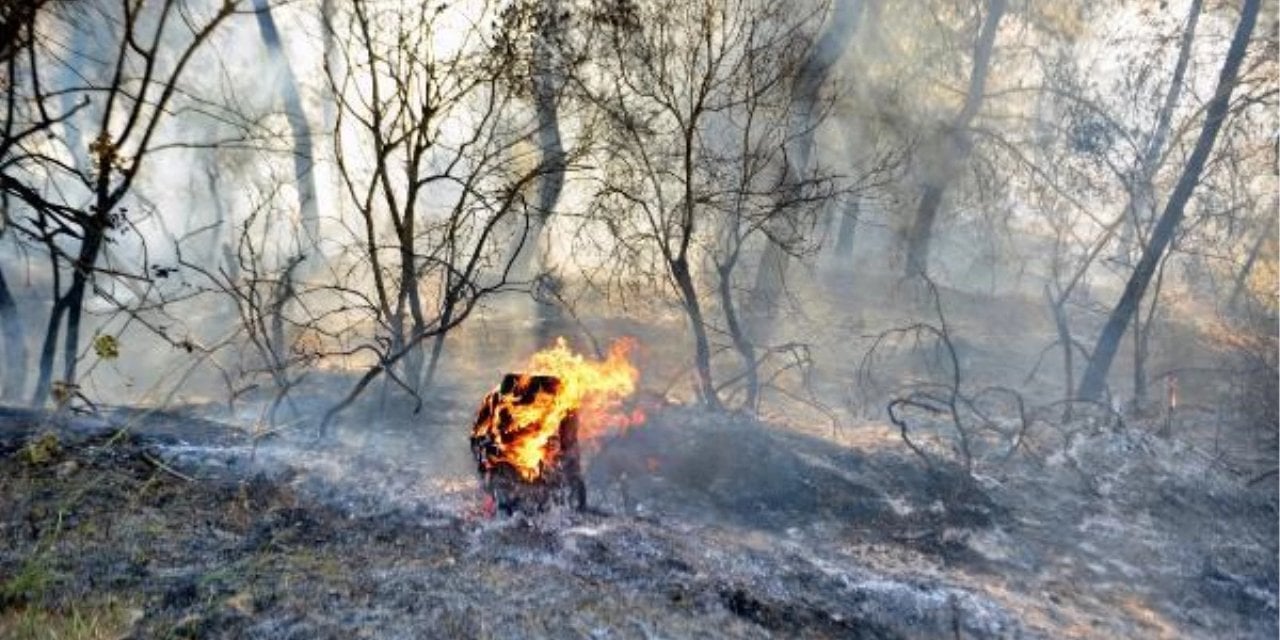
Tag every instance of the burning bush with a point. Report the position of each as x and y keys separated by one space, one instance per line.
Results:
x=526 y=438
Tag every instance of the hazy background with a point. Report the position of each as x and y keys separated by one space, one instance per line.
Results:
x=741 y=185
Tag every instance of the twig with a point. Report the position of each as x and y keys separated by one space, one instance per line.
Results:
x=166 y=468
x=1262 y=476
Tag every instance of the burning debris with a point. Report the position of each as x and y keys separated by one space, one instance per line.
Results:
x=527 y=434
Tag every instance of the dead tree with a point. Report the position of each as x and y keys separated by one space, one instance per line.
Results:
x=17 y=33
x=977 y=427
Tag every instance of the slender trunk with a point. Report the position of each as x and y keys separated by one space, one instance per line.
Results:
x=1142 y=339
x=75 y=296
x=282 y=292
x=437 y=348
x=1242 y=277
x=546 y=85
x=844 y=236
x=298 y=125
x=805 y=99
x=740 y=341
x=1142 y=199
x=1093 y=384
x=701 y=346
x=921 y=235
x=1139 y=364
x=70 y=303
x=1063 y=327
x=71 y=341
x=955 y=145
x=48 y=349
x=15 y=345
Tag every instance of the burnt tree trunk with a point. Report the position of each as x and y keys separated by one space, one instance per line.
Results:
x=15 y=345
x=1062 y=324
x=701 y=346
x=69 y=306
x=955 y=146
x=771 y=276
x=1142 y=200
x=71 y=303
x=1093 y=383
x=736 y=332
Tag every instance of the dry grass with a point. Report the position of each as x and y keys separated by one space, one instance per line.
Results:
x=104 y=620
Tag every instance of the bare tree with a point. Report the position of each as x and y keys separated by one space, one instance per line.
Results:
x=543 y=43
x=692 y=94
x=17 y=33
x=422 y=147
x=73 y=210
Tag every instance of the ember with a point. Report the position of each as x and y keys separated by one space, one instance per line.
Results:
x=527 y=432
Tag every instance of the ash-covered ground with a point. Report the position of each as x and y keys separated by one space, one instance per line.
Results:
x=135 y=524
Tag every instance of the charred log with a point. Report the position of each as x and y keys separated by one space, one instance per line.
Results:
x=556 y=478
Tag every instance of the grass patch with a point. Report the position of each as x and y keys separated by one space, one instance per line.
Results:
x=106 y=620
x=30 y=584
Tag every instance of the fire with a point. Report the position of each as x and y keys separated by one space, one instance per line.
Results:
x=522 y=422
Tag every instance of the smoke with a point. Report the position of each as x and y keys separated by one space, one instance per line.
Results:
x=213 y=219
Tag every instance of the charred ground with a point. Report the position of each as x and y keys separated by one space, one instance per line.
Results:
x=701 y=525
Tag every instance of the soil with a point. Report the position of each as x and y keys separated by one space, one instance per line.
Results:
x=151 y=524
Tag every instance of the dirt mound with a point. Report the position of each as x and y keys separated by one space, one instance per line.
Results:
x=724 y=468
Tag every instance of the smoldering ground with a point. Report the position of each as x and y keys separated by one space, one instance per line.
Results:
x=152 y=523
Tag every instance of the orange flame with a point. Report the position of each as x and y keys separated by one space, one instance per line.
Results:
x=527 y=429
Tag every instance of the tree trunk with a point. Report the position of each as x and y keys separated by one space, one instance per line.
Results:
x=1242 y=277
x=1142 y=199
x=71 y=303
x=1063 y=326
x=844 y=236
x=303 y=164
x=546 y=84
x=955 y=145
x=15 y=345
x=1142 y=339
x=48 y=349
x=1094 y=381
x=921 y=234
x=772 y=274
x=740 y=341
x=701 y=346
x=437 y=347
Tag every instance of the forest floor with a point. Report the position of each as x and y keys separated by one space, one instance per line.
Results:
x=154 y=525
